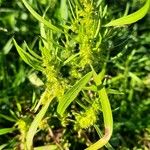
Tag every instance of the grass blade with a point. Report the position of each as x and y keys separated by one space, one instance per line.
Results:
x=6 y=130
x=107 y=113
x=72 y=93
x=71 y=58
x=29 y=59
x=7 y=46
x=132 y=17
x=32 y=52
x=34 y=125
x=39 y=18
x=2 y=146
x=7 y=118
x=108 y=145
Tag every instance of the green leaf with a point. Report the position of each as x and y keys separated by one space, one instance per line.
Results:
x=112 y=91
x=132 y=17
x=71 y=9
x=20 y=76
x=62 y=12
x=71 y=58
x=98 y=77
x=108 y=120
x=92 y=88
x=43 y=35
x=29 y=59
x=50 y=147
x=7 y=118
x=7 y=46
x=32 y=52
x=6 y=130
x=34 y=125
x=35 y=80
x=39 y=18
x=72 y=93
x=108 y=146
x=136 y=78
x=2 y=146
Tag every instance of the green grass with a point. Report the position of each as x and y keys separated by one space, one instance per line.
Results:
x=85 y=80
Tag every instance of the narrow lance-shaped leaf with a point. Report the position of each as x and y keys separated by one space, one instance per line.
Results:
x=29 y=59
x=70 y=58
x=43 y=35
x=7 y=46
x=3 y=146
x=34 y=125
x=132 y=17
x=108 y=121
x=6 y=130
x=107 y=115
x=43 y=31
x=39 y=18
x=33 y=53
x=7 y=118
x=72 y=93
x=108 y=145
x=63 y=11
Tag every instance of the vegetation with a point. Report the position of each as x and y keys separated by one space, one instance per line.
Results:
x=74 y=77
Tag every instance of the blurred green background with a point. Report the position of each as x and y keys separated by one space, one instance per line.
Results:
x=128 y=71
